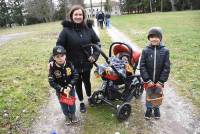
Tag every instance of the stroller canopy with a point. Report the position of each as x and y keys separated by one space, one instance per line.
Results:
x=125 y=50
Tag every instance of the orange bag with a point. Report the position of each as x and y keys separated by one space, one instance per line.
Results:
x=69 y=101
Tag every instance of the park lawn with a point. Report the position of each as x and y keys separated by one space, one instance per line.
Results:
x=23 y=75
x=36 y=28
x=181 y=31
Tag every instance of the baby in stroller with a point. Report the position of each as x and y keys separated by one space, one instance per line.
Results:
x=123 y=62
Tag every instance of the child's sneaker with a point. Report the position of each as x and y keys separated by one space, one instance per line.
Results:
x=157 y=113
x=148 y=114
x=82 y=108
x=68 y=121
x=74 y=119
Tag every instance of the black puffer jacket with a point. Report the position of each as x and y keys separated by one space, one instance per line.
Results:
x=155 y=64
x=72 y=38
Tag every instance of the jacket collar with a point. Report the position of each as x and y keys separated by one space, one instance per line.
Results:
x=159 y=46
x=70 y=24
x=60 y=65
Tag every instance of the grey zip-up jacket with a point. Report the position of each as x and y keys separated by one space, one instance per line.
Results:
x=155 y=64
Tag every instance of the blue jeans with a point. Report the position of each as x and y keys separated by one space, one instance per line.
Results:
x=108 y=23
x=68 y=110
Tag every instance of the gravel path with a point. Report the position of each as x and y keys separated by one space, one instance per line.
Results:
x=6 y=38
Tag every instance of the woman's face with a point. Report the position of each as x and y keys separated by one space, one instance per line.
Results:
x=77 y=16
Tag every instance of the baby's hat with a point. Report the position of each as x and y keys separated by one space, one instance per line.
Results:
x=155 y=31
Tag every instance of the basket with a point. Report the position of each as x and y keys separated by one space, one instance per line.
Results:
x=67 y=100
x=154 y=100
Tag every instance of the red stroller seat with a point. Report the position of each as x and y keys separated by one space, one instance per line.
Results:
x=122 y=49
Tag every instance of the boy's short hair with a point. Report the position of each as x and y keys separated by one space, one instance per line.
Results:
x=157 y=31
x=58 y=50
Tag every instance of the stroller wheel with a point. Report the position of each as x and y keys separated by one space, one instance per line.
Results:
x=123 y=111
x=97 y=96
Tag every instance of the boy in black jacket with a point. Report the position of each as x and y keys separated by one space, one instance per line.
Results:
x=154 y=67
x=62 y=77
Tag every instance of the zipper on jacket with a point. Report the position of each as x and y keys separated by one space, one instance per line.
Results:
x=154 y=65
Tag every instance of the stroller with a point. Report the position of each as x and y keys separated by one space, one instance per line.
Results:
x=119 y=81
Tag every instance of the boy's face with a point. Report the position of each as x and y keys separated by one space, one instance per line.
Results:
x=60 y=58
x=154 y=40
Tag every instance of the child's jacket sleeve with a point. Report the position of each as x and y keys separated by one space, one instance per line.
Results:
x=166 y=68
x=143 y=68
x=52 y=80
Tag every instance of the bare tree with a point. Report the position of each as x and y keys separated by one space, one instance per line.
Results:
x=173 y=5
x=150 y=4
x=41 y=9
x=161 y=5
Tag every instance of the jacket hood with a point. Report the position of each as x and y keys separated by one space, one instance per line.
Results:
x=66 y=23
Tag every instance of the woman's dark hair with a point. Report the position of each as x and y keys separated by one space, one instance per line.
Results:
x=74 y=8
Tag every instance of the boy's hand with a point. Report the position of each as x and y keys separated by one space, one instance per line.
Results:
x=66 y=91
x=159 y=85
x=150 y=84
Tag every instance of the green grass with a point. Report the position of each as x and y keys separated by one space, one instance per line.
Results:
x=37 y=28
x=23 y=75
x=181 y=31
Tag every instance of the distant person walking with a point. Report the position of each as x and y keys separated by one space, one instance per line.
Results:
x=107 y=17
x=101 y=19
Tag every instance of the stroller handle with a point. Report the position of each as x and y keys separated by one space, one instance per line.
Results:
x=87 y=54
x=97 y=48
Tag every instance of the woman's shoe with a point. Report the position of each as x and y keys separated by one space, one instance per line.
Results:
x=82 y=108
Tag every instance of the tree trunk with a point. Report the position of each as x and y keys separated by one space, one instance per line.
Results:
x=150 y=4
x=161 y=5
x=173 y=5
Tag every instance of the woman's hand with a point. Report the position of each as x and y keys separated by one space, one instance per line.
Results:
x=91 y=59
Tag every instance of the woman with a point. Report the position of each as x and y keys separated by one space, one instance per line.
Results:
x=77 y=33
